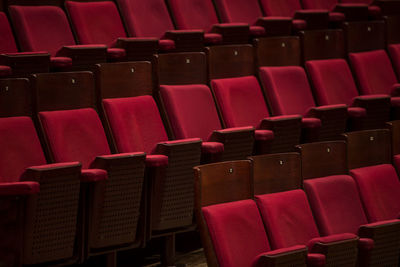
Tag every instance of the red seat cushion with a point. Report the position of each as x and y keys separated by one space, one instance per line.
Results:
x=241 y=101
x=374 y=72
x=257 y=31
x=135 y=123
x=7 y=42
x=34 y=24
x=166 y=44
x=95 y=22
x=74 y=135
x=137 y=14
x=60 y=62
x=332 y=81
x=237 y=232
x=5 y=71
x=156 y=161
x=336 y=204
x=287 y=89
x=394 y=52
x=191 y=110
x=380 y=191
x=116 y=54
x=20 y=148
x=356 y=112
x=299 y=24
x=336 y=17
x=212 y=147
x=212 y=38
x=93 y=175
x=311 y=123
x=288 y=218
x=264 y=135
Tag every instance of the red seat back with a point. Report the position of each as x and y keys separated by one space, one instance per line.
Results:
x=332 y=81
x=191 y=110
x=74 y=135
x=96 y=22
x=241 y=101
x=7 y=42
x=135 y=123
x=20 y=148
x=286 y=8
x=318 y=4
x=41 y=28
x=336 y=204
x=288 y=218
x=241 y=11
x=287 y=90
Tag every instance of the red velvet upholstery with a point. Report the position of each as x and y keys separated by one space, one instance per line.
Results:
x=287 y=90
x=332 y=81
x=166 y=44
x=288 y=218
x=241 y=101
x=284 y=8
x=148 y=18
x=96 y=22
x=317 y=4
x=20 y=148
x=7 y=42
x=74 y=135
x=41 y=28
x=60 y=62
x=194 y=14
x=374 y=72
x=241 y=11
x=394 y=52
x=191 y=110
x=237 y=232
x=336 y=204
x=380 y=191
x=135 y=122
x=212 y=38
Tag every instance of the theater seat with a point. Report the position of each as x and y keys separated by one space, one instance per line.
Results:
x=241 y=103
x=100 y=23
x=237 y=226
x=192 y=113
x=333 y=83
x=375 y=75
x=338 y=209
x=288 y=92
x=201 y=15
x=29 y=189
x=289 y=221
x=34 y=24
x=136 y=125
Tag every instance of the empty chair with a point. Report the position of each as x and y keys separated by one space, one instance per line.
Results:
x=201 y=15
x=288 y=92
x=336 y=203
x=241 y=103
x=72 y=130
x=394 y=53
x=151 y=19
x=100 y=22
x=229 y=220
x=289 y=221
x=333 y=83
x=250 y=12
x=30 y=188
x=32 y=28
x=375 y=75
x=192 y=113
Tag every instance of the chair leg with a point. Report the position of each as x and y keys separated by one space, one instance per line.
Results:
x=111 y=259
x=168 y=251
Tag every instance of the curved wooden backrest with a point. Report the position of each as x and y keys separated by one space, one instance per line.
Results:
x=367 y=148
x=229 y=61
x=15 y=97
x=323 y=159
x=63 y=91
x=276 y=172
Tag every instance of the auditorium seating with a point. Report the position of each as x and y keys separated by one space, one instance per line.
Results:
x=30 y=188
x=289 y=221
x=288 y=92
x=201 y=15
x=374 y=73
x=32 y=28
x=135 y=125
x=337 y=206
x=333 y=83
x=229 y=221
x=112 y=183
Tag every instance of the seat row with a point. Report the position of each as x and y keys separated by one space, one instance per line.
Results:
x=98 y=33
x=340 y=217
